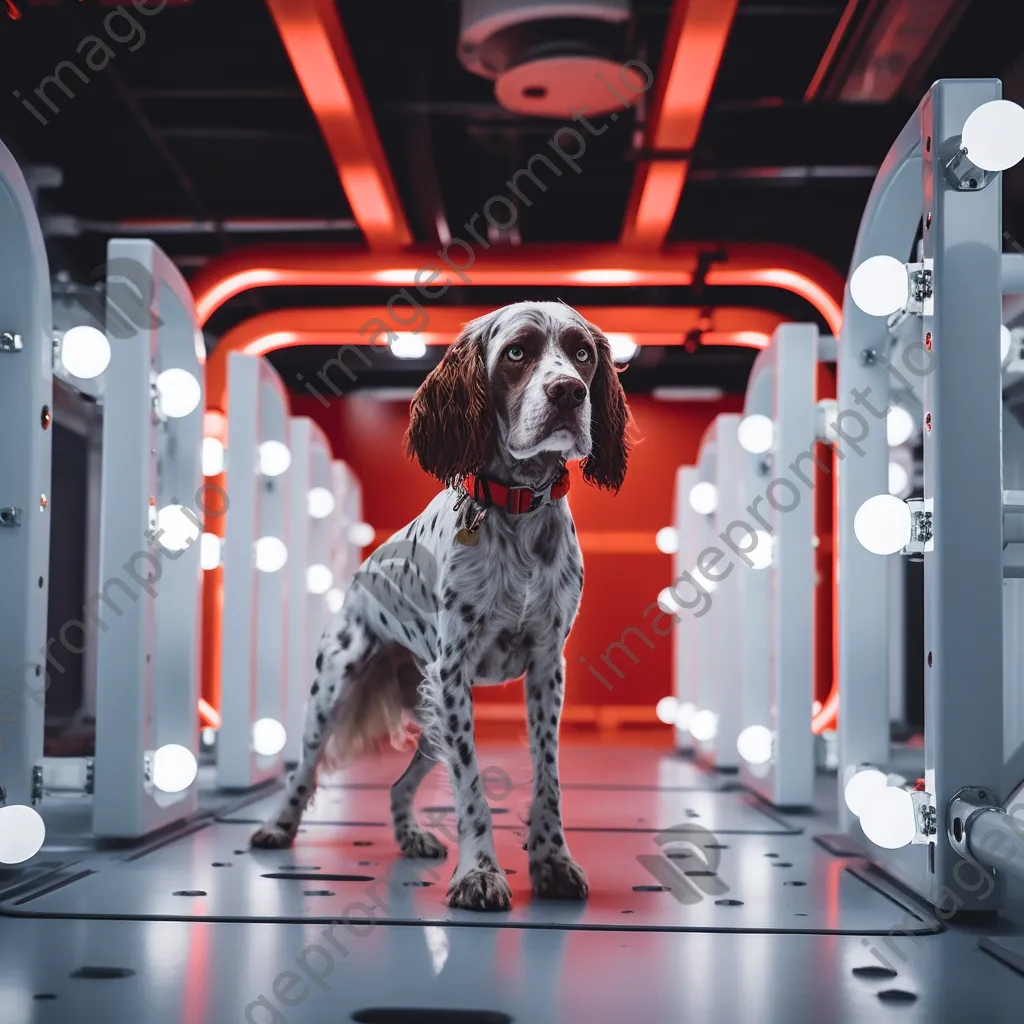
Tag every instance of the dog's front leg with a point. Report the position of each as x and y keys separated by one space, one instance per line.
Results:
x=478 y=882
x=553 y=872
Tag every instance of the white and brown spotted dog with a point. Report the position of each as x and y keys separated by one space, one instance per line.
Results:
x=481 y=587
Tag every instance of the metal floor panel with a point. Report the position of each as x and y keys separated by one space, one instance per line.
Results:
x=649 y=810
x=579 y=767
x=293 y=974
x=750 y=882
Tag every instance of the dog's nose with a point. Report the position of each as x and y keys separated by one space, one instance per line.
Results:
x=566 y=393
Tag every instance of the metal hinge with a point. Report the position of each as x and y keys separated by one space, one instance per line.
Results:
x=921 y=529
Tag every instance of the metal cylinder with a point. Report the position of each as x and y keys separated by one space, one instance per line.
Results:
x=996 y=839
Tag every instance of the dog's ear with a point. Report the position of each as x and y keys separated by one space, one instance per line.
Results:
x=451 y=419
x=605 y=466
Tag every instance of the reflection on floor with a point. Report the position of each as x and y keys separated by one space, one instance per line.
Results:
x=705 y=905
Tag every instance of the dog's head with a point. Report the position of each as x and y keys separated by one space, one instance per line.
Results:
x=532 y=377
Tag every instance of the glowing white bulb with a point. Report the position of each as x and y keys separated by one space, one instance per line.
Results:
x=899 y=478
x=684 y=716
x=754 y=744
x=174 y=768
x=207 y=737
x=84 y=352
x=408 y=346
x=667 y=540
x=275 y=458
x=606 y=276
x=862 y=787
x=268 y=737
x=1005 y=342
x=887 y=818
x=319 y=579
x=667 y=602
x=319 y=503
x=209 y=551
x=666 y=709
x=177 y=527
x=993 y=135
x=180 y=393
x=880 y=286
x=882 y=524
x=271 y=554
x=335 y=599
x=361 y=534
x=213 y=456
x=761 y=556
x=703 y=726
x=899 y=426
x=756 y=433
x=623 y=347
x=22 y=833
x=704 y=498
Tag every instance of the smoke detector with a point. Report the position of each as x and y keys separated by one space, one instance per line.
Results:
x=552 y=58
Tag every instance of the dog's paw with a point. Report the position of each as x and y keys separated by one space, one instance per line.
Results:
x=271 y=837
x=558 y=879
x=480 y=890
x=423 y=846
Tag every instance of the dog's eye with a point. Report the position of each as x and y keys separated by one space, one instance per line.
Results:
x=583 y=355
x=515 y=353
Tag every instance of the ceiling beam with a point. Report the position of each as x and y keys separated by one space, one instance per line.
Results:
x=315 y=41
x=881 y=48
x=694 y=44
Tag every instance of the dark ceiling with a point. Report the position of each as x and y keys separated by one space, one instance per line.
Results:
x=202 y=119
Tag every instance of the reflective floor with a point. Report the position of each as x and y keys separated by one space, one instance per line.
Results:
x=705 y=905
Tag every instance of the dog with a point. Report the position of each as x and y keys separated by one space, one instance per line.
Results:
x=482 y=587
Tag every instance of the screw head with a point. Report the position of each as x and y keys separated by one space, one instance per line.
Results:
x=928 y=422
x=45 y=418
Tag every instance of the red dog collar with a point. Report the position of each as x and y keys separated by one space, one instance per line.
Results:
x=514 y=500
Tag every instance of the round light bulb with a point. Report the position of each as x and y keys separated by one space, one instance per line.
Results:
x=209 y=551
x=704 y=498
x=174 y=768
x=993 y=135
x=275 y=458
x=761 y=556
x=667 y=602
x=84 y=352
x=271 y=554
x=335 y=599
x=213 y=456
x=623 y=347
x=180 y=393
x=888 y=818
x=756 y=433
x=177 y=527
x=268 y=737
x=666 y=540
x=880 y=286
x=899 y=426
x=684 y=716
x=207 y=737
x=1005 y=342
x=319 y=579
x=666 y=710
x=899 y=479
x=754 y=744
x=408 y=346
x=22 y=833
x=704 y=726
x=361 y=534
x=319 y=503
x=882 y=524
x=863 y=786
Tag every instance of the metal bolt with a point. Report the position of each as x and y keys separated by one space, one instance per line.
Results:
x=45 y=418
x=868 y=357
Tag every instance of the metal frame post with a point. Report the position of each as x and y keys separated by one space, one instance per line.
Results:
x=253 y=665
x=963 y=484
x=26 y=398
x=684 y=655
x=147 y=664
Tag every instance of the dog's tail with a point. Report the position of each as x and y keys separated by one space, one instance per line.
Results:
x=373 y=709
